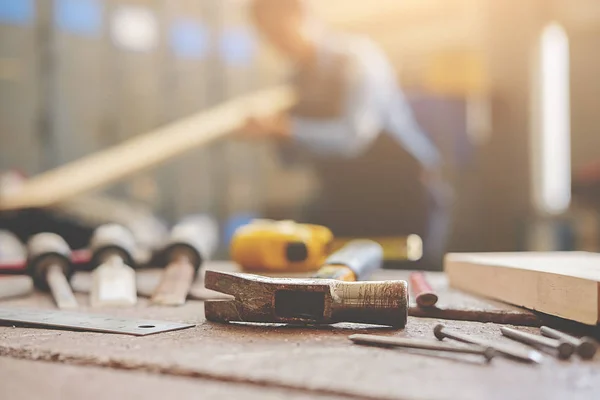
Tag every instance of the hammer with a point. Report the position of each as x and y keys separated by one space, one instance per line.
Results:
x=319 y=300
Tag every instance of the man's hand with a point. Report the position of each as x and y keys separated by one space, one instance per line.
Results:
x=276 y=126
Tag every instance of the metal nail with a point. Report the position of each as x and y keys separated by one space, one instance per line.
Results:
x=585 y=347
x=487 y=352
x=530 y=356
x=564 y=349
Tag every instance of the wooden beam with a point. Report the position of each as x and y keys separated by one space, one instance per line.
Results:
x=566 y=285
x=145 y=151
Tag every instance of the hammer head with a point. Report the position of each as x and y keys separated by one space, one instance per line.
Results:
x=305 y=301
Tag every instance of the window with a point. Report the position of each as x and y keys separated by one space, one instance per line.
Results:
x=552 y=134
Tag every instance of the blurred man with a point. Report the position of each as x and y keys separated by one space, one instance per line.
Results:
x=379 y=171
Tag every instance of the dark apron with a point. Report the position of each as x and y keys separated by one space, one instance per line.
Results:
x=377 y=193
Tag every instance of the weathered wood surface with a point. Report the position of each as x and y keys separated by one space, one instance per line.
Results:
x=316 y=361
x=55 y=381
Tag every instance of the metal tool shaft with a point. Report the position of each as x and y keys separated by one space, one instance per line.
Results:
x=49 y=263
x=564 y=350
x=530 y=356
x=191 y=243
x=585 y=347
x=113 y=279
x=175 y=282
x=113 y=283
x=375 y=340
x=60 y=288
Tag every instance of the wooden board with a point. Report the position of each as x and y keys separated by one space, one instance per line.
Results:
x=145 y=151
x=566 y=285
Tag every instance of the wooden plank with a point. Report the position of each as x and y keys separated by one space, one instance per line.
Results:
x=146 y=151
x=566 y=285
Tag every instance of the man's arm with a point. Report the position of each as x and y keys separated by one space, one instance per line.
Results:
x=403 y=127
x=353 y=130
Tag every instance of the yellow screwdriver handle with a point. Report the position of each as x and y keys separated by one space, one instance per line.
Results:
x=353 y=262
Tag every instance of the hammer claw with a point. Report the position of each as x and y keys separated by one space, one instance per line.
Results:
x=222 y=310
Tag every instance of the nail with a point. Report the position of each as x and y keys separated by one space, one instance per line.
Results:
x=441 y=332
x=564 y=350
x=585 y=347
x=376 y=340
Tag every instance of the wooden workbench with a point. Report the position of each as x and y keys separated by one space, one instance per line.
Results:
x=267 y=362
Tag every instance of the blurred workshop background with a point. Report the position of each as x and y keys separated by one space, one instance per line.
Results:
x=508 y=90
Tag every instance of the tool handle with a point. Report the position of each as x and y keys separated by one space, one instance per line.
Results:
x=11 y=248
x=361 y=256
x=45 y=250
x=424 y=294
x=196 y=238
x=371 y=302
x=112 y=239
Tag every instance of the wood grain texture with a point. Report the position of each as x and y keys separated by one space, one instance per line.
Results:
x=69 y=382
x=319 y=360
x=145 y=151
x=565 y=285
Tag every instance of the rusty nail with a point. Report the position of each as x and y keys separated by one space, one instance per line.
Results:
x=585 y=347
x=487 y=352
x=441 y=332
x=564 y=349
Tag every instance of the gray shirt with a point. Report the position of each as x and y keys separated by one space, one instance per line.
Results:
x=372 y=103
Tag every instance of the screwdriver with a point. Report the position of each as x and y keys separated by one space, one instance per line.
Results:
x=113 y=278
x=49 y=264
x=189 y=246
x=353 y=262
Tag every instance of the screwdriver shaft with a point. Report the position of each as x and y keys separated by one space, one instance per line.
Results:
x=113 y=284
x=175 y=282
x=60 y=288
